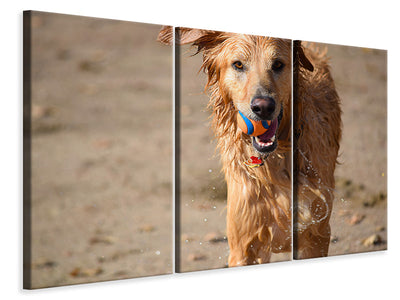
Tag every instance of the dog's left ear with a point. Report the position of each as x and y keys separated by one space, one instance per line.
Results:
x=183 y=35
x=165 y=35
x=203 y=39
x=301 y=57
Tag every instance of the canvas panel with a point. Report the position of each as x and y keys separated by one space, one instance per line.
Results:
x=98 y=150
x=202 y=238
x=357 y=195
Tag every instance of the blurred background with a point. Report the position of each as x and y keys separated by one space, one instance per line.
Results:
x=101 y=150
x=202 y=198
x=359 y=218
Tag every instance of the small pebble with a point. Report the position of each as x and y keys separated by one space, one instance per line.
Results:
x=356 y=219
x=374 y=239
x=107 y=240
x=78 y=272
x=196 y=257
x=213 y=237
x=147 y=228
x=334 y=239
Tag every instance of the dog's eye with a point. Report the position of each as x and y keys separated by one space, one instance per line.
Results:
x=238 y=65
x=277 y=65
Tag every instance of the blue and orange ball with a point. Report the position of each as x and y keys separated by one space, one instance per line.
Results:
x=251 y=127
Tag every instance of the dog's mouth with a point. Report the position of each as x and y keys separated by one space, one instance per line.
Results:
x=268 y=142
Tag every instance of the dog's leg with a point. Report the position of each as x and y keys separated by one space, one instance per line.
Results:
x=313 y=242
x=238 y=257
x=247 y=226
x=256 y=252
x=313 y=232
x=263 y=252
x=238 y=244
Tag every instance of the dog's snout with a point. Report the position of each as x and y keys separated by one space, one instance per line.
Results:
x=263 y=107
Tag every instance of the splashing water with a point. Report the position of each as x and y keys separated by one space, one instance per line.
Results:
x=306 y=187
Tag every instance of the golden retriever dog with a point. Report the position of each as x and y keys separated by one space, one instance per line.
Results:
x=253 y=75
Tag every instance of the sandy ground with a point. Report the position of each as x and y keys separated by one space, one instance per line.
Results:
x=101 y=151
x=359 y=217
x=102 y=170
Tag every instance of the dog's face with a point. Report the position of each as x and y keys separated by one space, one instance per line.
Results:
x=252 y=72
x=255 y=73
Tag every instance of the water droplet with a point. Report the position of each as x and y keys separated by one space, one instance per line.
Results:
x=158 y=252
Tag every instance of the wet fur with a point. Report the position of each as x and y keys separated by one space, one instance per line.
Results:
x=259 y=215
x=317 y=134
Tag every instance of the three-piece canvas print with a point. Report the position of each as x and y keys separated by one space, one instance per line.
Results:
x=154 y=149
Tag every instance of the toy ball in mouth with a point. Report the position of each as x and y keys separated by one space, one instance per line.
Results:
x=251 y=127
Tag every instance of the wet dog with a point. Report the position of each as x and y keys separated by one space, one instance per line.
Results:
x=253 y=75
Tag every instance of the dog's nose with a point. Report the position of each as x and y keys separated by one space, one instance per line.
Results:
x=263 y=107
